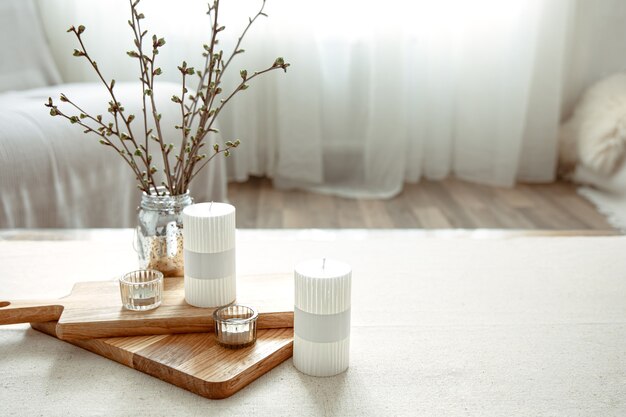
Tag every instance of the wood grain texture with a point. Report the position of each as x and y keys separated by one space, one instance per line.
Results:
x=94 y=309
x=451 y=203
x=194 y=362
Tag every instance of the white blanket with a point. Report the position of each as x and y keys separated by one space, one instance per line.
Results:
x=608 y=194
x=54 y=175
x=440 y=327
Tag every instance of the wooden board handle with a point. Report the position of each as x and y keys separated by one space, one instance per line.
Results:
x=12 y=312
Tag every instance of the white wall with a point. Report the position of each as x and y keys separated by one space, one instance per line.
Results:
x=597 y=46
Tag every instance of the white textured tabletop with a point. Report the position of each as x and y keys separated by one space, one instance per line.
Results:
x=452 y=324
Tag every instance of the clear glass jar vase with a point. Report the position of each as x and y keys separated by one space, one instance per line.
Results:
x=159 y=233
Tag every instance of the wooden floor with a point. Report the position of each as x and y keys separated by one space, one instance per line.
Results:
x=427 y=205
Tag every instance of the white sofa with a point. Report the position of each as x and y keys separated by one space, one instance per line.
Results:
x=51 y=173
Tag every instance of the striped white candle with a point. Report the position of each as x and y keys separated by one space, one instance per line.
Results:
x=321 y=342
x=209 y=251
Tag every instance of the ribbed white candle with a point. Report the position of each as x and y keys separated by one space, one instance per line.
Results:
x=322 y=317
x=209 y=249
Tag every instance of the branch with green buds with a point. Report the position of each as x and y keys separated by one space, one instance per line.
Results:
x=198 y=109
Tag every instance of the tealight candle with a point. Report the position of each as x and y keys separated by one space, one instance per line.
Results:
x=142 y=289
x=209 y=253
x=235 y=326
x=321 y=341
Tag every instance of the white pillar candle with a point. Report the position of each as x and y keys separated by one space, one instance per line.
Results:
x=321 y=342
x=209 y=251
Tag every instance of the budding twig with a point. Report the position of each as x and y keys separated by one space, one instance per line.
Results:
x=201 y=104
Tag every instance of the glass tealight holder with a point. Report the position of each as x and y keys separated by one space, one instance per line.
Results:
x=235 y=326
x=142 y=289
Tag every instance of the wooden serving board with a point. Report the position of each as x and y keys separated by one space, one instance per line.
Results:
x=94 y=309
x=194 y=361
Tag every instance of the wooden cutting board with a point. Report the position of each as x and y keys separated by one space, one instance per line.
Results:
x=94 y=309
x=194 y=362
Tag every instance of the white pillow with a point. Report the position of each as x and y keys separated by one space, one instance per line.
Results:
x=25 y=59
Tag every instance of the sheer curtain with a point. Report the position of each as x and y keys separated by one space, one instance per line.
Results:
x=378 y=94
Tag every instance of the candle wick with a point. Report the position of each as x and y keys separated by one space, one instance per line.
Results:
x=210 y=205
x=324 y=263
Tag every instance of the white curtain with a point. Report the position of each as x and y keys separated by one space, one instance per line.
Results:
x=379 y=93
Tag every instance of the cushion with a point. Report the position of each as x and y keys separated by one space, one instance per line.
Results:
x=25 y=61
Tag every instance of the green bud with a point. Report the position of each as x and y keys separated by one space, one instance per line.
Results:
x=244 y=74
x=226 y=153
x=137 y=152
x=74 y=119
x=81 y=29
x=216 y=147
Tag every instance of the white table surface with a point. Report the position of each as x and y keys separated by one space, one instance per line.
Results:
x=453 y=324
